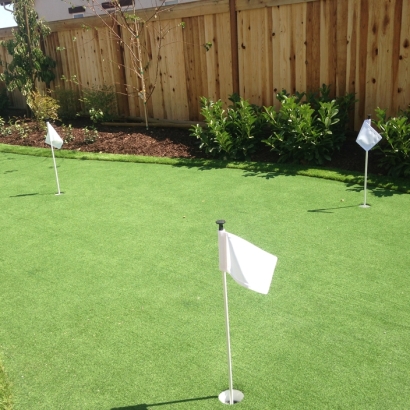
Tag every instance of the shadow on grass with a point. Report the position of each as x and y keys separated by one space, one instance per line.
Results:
x=33 y=194
x=328 y=210
x=255 y=169
x=147 y=406
x=266 y=175
x=375 y=190
x=18 y=196
x=250 y=169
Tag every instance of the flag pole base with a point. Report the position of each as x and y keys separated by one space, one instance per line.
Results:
x=364 y=206
x=225 y=396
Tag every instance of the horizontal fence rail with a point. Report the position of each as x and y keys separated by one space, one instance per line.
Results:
x=255 y=48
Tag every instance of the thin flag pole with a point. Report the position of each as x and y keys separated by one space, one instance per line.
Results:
x=55 y=169
x=365 y=174
x=228 y=338
x=365 y=178
x=229 y=396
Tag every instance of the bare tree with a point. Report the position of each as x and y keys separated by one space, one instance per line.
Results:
x=130 y=27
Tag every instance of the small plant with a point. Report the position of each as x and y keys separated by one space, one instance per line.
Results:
x=395 y=145
x=4 y=128
x=2 y=125
x=43 y=107
x=90 y=134
x=231 y=133
x=100 y=103
x=299 y=133
x=20 y=126
x=68 y=134
x=69 y=103
x=96 y=116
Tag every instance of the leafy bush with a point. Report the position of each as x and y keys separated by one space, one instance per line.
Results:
x=231 y=133
x=69 y=103
x=308 y=127
x=43 y=107
x=395 y=145
x=100 y=103
x=344 y=103
x=90 y=134
x=301 y=133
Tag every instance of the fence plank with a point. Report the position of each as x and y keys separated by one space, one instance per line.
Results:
x=403 y=76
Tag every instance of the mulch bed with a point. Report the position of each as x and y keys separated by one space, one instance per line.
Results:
x=167 y=142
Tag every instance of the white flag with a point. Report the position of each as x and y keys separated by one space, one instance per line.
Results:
x=52 y=137
x=248 y=265
x=368 y=137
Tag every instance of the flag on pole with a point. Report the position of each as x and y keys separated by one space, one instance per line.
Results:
x=368 y=137
x=248 y=265
x=52 y=137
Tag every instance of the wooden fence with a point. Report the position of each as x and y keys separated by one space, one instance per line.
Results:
x=259 y=47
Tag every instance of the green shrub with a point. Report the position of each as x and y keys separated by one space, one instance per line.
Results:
x=395 y=145
x=308 y=127
x=300 y=133
x=69 y=103
x=43 y=107
x=344 y=103
x=231 y=133
x=100 y=103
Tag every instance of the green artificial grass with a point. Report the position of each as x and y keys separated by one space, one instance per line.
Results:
x=380 y=181
x=111 y=296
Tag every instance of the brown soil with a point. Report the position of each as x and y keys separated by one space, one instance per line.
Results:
x=166 y=142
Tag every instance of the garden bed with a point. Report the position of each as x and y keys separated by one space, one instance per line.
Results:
x=164 y=141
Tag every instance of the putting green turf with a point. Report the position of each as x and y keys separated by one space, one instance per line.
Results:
x=111 y=297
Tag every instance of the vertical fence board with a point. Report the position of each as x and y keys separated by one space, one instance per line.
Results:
x=361 y=64
x=243 y=70
x=313 y=50
x=403 y=75
x=299 y=18
x=285 y=25
x=255 y=56
x=341 y=47
x=352 y=32
x=211 y=77
x=328 y=43
x=380 y=47
x=224 y=56
x=276 y=50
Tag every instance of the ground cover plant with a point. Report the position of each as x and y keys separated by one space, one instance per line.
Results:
x=111 y=296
